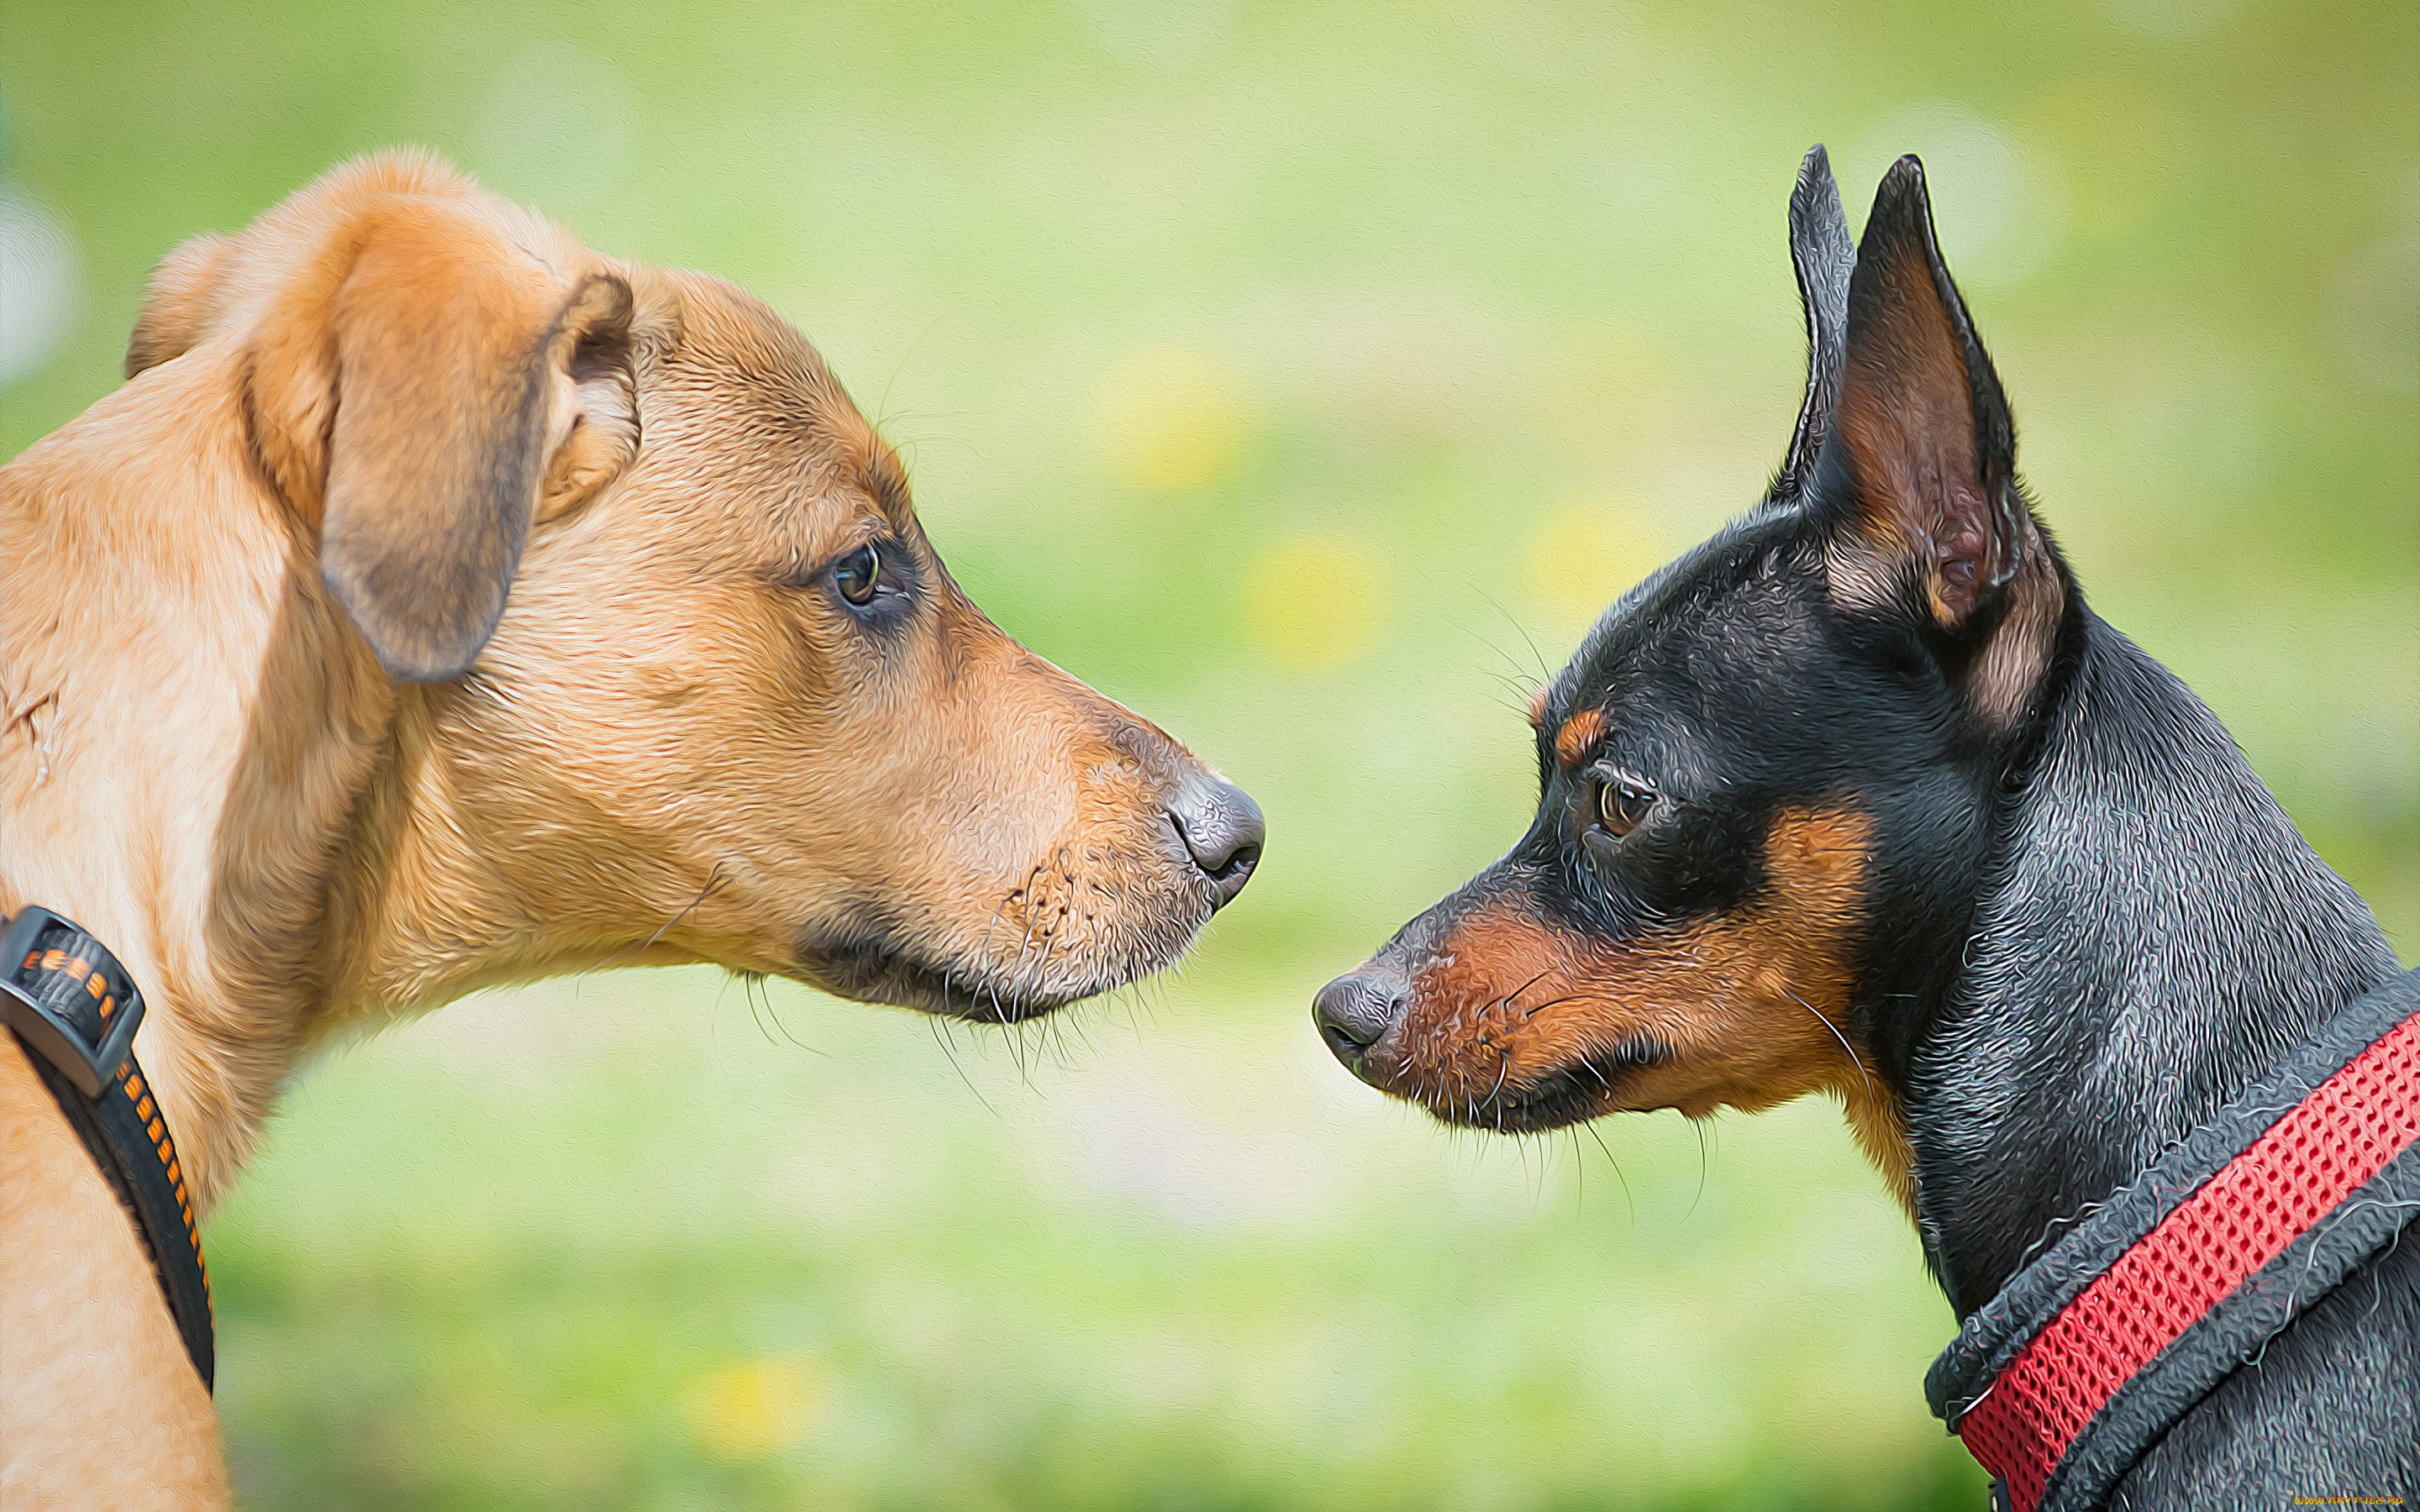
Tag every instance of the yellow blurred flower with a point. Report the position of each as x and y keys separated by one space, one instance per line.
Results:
x=1169 y=419
x=1584 y=555
x=1317 y=601
x=754 y=1408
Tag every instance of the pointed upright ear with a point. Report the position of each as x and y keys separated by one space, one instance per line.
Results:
x=1922 y=450
x=1920 y=470
x=425 y=383
x=1823 y=256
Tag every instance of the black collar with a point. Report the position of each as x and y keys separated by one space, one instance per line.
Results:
x=75 y=1009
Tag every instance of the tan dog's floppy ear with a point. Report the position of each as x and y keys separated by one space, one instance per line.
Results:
x=426 y=370
x=455 y=374
x=419 y=383
x=180 y=305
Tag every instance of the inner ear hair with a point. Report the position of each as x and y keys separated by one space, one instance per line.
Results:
x=1922 y=463
x=1922 y=441
x=595 y=395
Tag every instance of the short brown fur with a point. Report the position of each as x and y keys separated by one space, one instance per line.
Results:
x=238 y=739
x=1579 y=733
x=1748 y=1009
x=1908 y=429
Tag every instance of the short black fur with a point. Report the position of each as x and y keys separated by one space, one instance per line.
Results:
x=2087 y=923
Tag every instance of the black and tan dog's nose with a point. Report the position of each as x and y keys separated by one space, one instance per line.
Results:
x=1355 y=1012
x=1223 y=830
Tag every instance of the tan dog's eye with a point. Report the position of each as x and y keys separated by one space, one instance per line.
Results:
x=1621 y=804
x=858 y=574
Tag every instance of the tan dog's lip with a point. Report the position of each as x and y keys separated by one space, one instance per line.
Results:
x=872 y=969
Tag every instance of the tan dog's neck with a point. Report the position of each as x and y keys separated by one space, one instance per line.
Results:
x=273 y=735
x=199 y=774
x=442 y=604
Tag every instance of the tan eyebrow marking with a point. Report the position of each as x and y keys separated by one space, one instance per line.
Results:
x=1752 y=1007
x=1538 y=709
x=1579 y=732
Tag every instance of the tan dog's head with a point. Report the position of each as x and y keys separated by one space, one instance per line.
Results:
x=677 y=674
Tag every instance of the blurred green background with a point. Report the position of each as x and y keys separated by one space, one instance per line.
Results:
x=1309 y=377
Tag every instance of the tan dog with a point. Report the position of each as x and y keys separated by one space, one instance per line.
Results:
x=441 y=605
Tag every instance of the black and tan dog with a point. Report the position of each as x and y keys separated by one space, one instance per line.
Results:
x=1860 y=798
x=440 y=603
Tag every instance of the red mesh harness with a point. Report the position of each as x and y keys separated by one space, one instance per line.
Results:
x=2089 y=1355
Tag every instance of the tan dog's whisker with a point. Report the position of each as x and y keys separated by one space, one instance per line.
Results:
x=713 y=881
x=499 y=592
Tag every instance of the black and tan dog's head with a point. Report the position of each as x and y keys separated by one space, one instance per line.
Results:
x=673 y=670
x=1766 y=761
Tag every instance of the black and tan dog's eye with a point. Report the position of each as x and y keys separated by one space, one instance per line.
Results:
x=1621 y=804
x=858 y=574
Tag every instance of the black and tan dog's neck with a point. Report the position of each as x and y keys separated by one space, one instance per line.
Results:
x=1859 y=797
x=2088 y=925
x=2150 y=935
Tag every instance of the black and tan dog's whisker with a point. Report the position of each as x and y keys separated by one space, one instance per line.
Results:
x=1855 y=1059
x=1866 y=758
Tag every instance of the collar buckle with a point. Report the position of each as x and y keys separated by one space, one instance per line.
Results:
x=67 y=998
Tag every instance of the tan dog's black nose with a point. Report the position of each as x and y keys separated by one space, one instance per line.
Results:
x=1355 y=1012
x=1222 y=829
